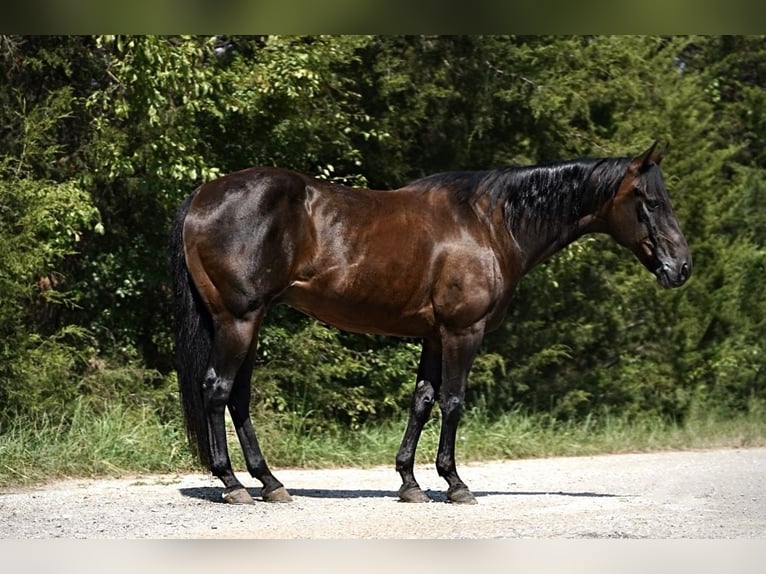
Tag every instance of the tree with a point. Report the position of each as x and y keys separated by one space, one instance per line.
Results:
x=41 y=223
x=104 y=136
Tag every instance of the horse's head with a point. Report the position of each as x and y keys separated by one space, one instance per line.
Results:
x=641 y=218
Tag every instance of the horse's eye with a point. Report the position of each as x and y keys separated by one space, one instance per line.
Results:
x=652 y=204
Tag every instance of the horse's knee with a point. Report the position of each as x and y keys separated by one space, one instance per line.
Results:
x=424 y=390
x=424 y=399
x=452 y=407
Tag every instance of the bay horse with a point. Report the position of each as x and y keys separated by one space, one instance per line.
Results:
x=436 y=260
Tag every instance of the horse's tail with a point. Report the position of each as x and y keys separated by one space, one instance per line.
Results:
x=193 y=338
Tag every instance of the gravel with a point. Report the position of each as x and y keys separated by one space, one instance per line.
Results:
x=690 y=494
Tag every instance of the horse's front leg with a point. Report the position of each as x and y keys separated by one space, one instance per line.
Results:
x=458 y=352
x=426 y=388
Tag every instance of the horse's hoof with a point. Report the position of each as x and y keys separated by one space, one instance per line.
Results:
x=461 y=495
x=237 y=496
x=412 y=494
x=277 y=495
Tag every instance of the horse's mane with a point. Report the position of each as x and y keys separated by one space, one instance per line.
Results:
x=551 y=194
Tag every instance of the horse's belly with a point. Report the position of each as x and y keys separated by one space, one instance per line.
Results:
x=360 y=314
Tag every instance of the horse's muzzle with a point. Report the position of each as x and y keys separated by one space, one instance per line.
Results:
x=674 y=274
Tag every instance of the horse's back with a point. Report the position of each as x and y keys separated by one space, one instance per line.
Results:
x=256 y=189
x=395 y=262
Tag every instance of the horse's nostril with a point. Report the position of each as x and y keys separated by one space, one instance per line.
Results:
x=685 y=271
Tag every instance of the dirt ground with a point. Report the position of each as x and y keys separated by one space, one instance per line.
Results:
x=691 y=494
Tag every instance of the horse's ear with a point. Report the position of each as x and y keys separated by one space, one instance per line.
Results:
x=658 y=155
x=641 y=161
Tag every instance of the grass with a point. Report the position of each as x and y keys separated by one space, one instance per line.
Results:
x=120 y=440
x=108 y=443
x=513 y=435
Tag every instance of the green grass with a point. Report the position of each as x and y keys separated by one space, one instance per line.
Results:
x=119 y=440
x=110 y=442
x=513 y=435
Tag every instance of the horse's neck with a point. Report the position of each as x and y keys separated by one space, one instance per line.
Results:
x=538 y=241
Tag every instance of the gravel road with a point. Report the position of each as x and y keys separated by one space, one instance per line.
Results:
x=690 y=494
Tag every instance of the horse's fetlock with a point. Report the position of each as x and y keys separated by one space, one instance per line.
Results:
x=445 y=465
x=220 y=468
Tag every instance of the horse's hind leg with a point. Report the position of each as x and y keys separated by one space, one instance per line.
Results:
x=239 y=408
x=231 y=343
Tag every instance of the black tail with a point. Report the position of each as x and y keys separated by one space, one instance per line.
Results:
x=194 y=338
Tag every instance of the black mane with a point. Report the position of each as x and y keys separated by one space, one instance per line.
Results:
x=545 y=195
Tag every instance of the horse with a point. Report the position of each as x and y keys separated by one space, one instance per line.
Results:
x=436 y=260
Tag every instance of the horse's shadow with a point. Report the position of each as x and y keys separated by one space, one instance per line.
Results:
x=214 y=494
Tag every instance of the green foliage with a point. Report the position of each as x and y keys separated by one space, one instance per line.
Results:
x=41 y=223
x=321 y=375
x=103 y=137
x=729 y=368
